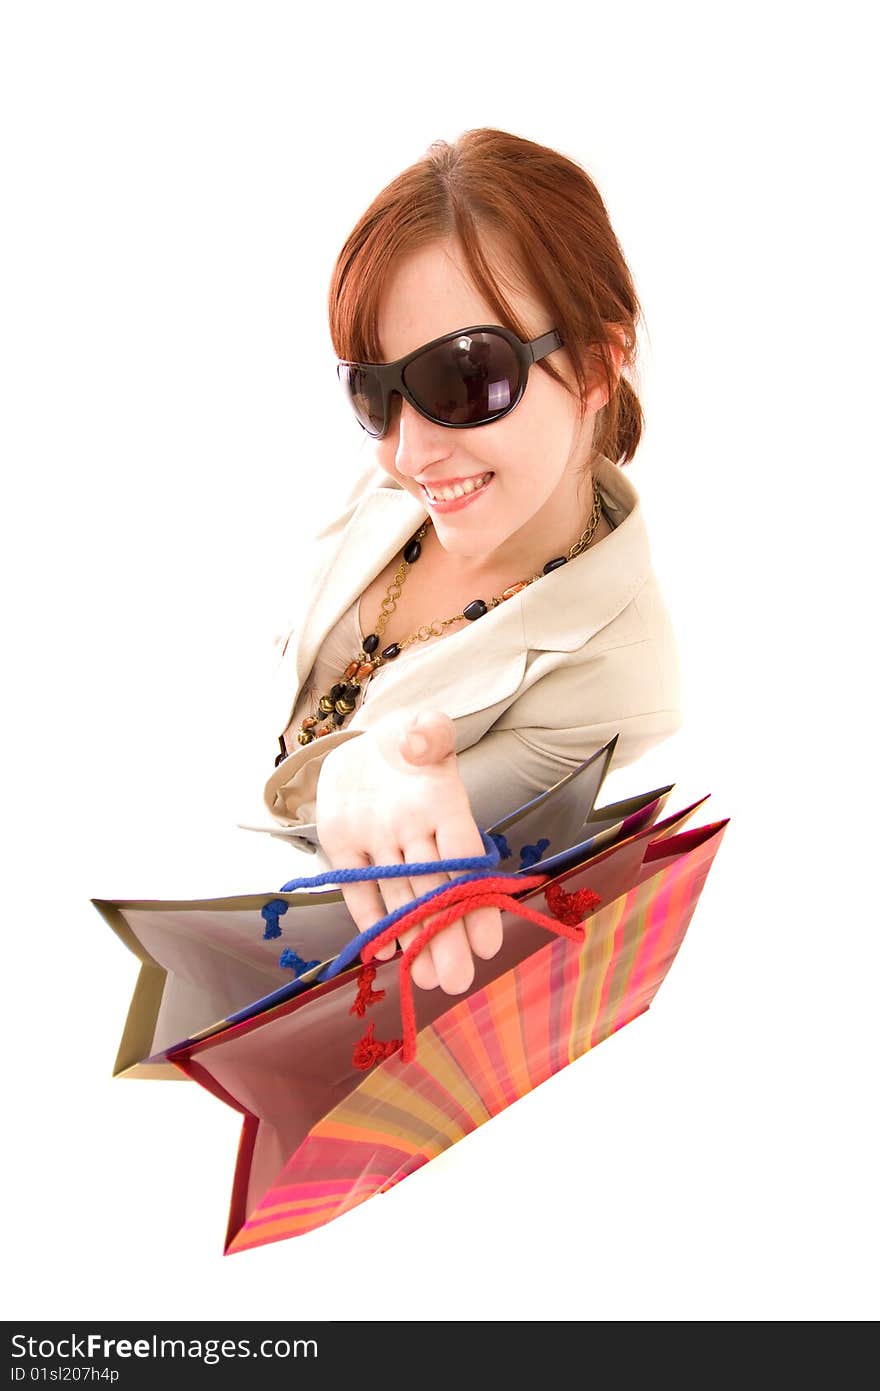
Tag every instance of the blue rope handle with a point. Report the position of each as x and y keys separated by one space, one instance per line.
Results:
x=483 y=863
x=477 y=867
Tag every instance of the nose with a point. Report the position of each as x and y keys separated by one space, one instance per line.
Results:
x=420 y=442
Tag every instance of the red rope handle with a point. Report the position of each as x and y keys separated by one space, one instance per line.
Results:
x=366 y=994
x=457 y=901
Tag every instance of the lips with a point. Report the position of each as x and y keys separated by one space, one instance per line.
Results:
x=458 y=501
x=451 y=489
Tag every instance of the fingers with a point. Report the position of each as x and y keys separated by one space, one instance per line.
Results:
x=429 y=738
x=395 y=892
x=363 y=899
x=483 y=927
x=446 y=960
x=485 y=932
x=397 y=797
x=424 y=966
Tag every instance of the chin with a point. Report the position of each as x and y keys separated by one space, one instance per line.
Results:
x=479 y=545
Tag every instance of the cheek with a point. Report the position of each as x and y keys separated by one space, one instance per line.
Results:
x=549 y=416
x=517 y=450
x=528 y=470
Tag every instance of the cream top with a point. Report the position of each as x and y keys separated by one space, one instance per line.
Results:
x=341 y=645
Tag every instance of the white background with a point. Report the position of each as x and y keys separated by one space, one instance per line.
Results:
x=177 y=180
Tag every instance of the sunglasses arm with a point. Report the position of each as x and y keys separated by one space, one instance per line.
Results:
x=547 y=343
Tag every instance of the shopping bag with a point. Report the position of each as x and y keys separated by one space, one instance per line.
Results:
x=211 y=960
x=337 y=1107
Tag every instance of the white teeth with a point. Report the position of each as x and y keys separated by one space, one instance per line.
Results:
x=470 y=485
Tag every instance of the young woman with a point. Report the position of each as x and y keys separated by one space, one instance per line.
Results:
x=484 y=615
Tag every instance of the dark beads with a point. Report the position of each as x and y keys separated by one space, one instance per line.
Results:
x=392 y=651
x=412 y=552
x=555 y=564
x=475 y=609
x=371 y=643
x=339 y=716
x=337 y=691
x=350 y=692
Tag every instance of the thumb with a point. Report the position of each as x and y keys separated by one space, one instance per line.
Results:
x=429 y=738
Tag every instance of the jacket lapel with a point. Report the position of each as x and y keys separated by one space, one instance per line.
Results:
x=383 y=524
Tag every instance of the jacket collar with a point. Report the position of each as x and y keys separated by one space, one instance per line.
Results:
x=559 y=613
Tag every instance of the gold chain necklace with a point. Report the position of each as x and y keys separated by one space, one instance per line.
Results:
x=334 y=708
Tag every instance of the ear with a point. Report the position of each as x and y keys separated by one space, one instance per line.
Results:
x=616 y=346
x=616 y=340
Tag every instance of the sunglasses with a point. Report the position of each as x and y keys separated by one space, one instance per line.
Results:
x=467 y=378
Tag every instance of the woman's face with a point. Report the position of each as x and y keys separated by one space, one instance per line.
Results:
x=535 y=454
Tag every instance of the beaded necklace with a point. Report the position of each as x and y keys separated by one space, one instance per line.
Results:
x=335 y=706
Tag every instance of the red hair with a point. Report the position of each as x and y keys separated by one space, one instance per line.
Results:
x=547 y=213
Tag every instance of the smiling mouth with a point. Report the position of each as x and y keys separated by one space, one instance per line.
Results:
x=456 y=490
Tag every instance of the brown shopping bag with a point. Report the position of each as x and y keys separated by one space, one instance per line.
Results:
x=205 y=961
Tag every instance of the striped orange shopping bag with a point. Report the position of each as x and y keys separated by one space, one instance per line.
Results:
x=357 y=1081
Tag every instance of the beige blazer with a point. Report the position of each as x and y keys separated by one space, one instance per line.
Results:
x=534 y=687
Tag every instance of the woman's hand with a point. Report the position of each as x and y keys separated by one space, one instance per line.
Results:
x=394 y=794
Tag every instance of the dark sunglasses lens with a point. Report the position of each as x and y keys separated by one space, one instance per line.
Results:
x=365 y=395
x=467 y=380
